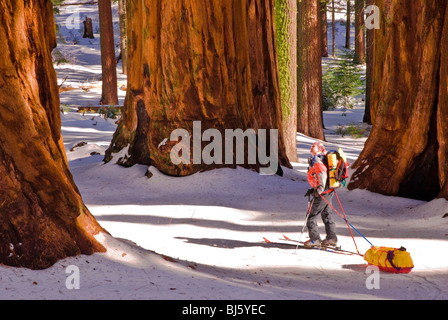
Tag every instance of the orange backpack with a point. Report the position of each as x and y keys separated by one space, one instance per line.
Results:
x=334 y=163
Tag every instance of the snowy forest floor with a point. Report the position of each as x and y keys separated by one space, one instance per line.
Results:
x=201 y=237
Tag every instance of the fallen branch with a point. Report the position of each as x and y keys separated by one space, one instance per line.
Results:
x=65 y=79
x=121 y=86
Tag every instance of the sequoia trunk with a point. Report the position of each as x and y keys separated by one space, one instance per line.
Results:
x=323 y=27
x=309 y=74
x=442 y=113
x=360 y=46
x=108 y=62
x=286 y=29
x=348 y=25
x=406 y=151
x=42 y=216
x=208 y=61
x=122 y=17
x=370 y=34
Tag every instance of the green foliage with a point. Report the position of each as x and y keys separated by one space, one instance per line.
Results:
x=65 y=108
x=56 y=3
x=110 y=112
x=59 y=57
x=342 y=82
x=284 y=49
x=353 y=130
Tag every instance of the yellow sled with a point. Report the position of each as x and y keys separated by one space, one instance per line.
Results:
x=390 y=259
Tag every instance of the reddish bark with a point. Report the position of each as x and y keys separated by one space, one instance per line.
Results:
x=405 y=153
x=212 y=61
x=309 y=73
x=109 y=94
x=42 y=216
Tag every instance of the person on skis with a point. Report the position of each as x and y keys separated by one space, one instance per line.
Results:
x=317 y=177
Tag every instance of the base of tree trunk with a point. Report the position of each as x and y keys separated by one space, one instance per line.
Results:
x=88 y=29
x=42 y=216
x=406 y=152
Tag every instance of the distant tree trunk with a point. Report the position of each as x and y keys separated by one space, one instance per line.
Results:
x=406 y=152
x=323 y=27
x=208 y=61
x=88 y=28
x=370 y=35
x=348 y=26
x=309 y=74
x=360 y=46
x=122 y=17
x=42 y=216
x=109 y=70
x=286 y=30
x=333 y=29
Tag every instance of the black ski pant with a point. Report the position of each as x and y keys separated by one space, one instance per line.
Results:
x=320 y=206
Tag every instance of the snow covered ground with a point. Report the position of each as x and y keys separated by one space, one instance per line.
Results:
x=212 y=224
x=201 y=237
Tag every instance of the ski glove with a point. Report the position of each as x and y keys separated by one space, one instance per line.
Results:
x=309 y=192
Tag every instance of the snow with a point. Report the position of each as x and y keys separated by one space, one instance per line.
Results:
x=201 y=237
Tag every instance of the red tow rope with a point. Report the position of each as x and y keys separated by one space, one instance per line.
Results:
x=344 y=218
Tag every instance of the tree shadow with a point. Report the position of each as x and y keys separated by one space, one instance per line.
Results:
x=206 y=223
x=361 y=267
x=233 y=244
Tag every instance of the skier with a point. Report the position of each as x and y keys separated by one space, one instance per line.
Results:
x=317 y=177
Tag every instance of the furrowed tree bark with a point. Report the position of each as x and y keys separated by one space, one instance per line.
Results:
x=264 y=80
x=442 y=112
x=333 y=29
x=370 y=36
x=208 y=61
x=122 y=17
x=323 y=27
x=42 y=216
x=348 y=24
x=88 y=28
x=109 y=94
x=406 y=152
x=286 y=29
x=360 y=45
x=309 y=70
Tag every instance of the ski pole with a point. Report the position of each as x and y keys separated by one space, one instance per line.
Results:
x=306 y=220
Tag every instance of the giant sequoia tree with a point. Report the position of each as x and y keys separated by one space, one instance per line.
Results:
x=370 y=34
x=208 y=61
x=109 y=95
x=323 y=27
x=286 y=29
x=406 y=153
x=360 y=46
x=309 y=74
x=42 y=216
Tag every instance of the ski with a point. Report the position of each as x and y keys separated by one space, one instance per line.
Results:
x=299 y=245
x=330 y=247
x=296 y=243
x=338 y=248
